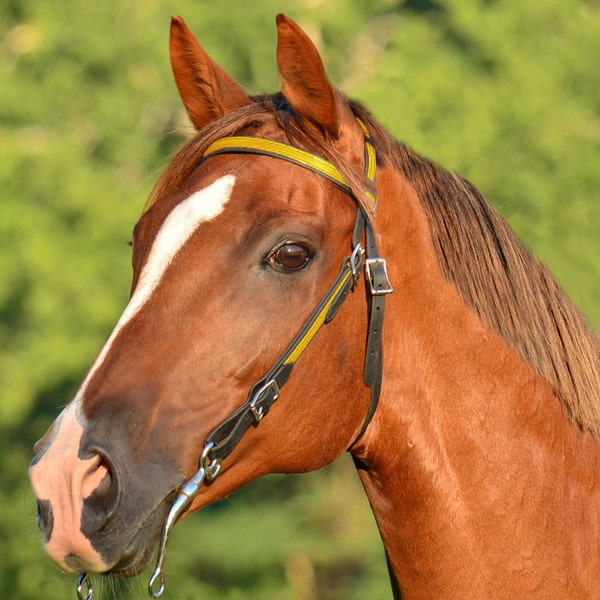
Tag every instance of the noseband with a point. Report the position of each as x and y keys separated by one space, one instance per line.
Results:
x=222 y=440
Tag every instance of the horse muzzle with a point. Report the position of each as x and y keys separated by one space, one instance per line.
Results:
x=97 y=510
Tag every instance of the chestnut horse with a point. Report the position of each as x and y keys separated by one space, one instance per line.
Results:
x=473 y=421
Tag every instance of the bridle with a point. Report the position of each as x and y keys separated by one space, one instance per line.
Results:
x=222 y=440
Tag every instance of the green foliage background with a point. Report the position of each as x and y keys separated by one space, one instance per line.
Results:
x=505 y=92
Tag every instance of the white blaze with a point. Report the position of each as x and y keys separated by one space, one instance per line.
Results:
x=59 y=475
x=183 y=220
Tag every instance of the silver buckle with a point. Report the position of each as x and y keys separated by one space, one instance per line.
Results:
x=356 y=261
x=376 y=272
x=258 y=411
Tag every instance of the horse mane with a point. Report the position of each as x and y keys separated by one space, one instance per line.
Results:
x=497 y=276
x=508 y=287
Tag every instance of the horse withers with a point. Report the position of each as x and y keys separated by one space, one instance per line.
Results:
x=265 y=257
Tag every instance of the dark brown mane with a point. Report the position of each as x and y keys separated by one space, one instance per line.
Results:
x=497 y=276
x=505 y=284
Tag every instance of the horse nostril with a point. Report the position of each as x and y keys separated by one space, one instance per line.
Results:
x=106 y=483
x=45 y=518
x=100 y=492
x=99 y=479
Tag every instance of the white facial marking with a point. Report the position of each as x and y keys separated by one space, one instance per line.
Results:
x=64 y=479
x=183 y=220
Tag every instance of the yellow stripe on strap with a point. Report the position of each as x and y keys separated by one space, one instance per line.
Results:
x=317 y=324
x=371 y=160
x=278 y=149
x=317 y=164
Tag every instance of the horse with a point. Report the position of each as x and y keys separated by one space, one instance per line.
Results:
x=303 y=286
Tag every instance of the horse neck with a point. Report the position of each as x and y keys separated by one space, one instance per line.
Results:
x=466 y=435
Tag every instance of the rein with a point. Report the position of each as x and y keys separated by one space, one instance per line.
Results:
x=223 y=439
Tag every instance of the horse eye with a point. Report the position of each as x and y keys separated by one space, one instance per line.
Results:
x=290 y=257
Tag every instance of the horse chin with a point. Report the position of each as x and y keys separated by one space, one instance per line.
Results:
x=132 y=563
x=139 y=551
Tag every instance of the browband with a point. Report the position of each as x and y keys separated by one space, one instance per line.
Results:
x=302 y=158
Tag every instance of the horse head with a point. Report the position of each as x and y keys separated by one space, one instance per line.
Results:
x=230 y=258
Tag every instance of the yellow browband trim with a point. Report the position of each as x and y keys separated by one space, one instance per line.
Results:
x=310 y=334
x=371 y=160
x=273 y=148
x=303 y=158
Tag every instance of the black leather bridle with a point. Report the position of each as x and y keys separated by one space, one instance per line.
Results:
x=222 y=440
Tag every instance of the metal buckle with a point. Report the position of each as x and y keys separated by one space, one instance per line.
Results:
x=376 y=272
x=258 y=412
x=356 y=261
x=211 y=467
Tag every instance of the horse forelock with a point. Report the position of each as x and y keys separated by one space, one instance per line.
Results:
x=506 y=285
x=187 y=158
x=247 y=120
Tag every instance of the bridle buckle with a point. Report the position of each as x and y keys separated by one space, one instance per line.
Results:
x=377 y=276
x=356 y=262
x=257 y=411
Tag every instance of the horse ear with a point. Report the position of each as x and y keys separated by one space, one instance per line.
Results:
x=206 y=90
x=306 y=86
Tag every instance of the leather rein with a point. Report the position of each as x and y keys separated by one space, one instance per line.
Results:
x=364 y=258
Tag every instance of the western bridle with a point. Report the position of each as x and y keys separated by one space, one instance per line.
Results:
x=222 y=440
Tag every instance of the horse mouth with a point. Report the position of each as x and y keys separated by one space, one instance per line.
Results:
x=133 y=561
x=140 y=549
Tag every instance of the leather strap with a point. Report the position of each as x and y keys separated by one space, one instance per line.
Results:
x=266 y=147
x=378 y=286
x=221 y=441
x=265 y=392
